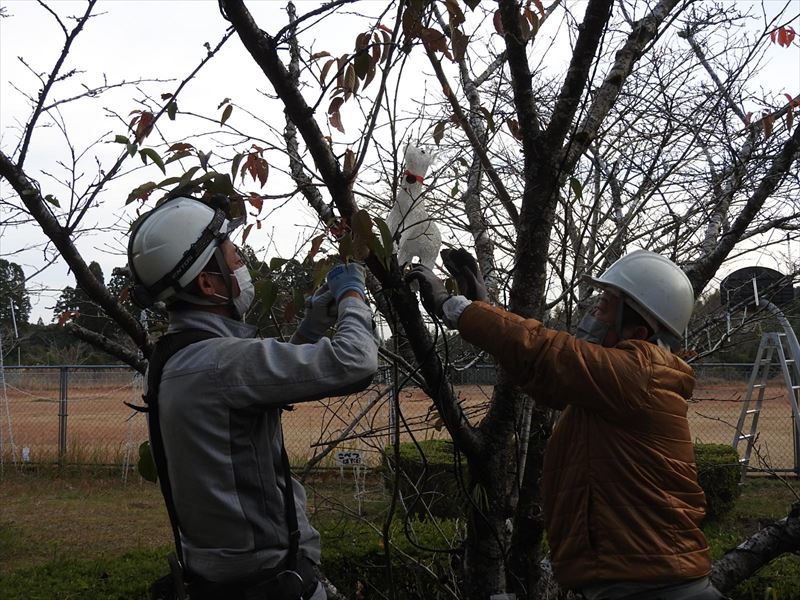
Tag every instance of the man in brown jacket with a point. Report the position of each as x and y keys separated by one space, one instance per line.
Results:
x=622 y=505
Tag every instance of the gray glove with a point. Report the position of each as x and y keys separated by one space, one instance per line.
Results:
x=431 y=289
x=464 y=269
x=346 y=278
x=320 y=315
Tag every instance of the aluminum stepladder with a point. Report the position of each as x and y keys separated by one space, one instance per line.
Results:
x=776 y=348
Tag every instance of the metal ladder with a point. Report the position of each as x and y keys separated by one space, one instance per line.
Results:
x=784 y=345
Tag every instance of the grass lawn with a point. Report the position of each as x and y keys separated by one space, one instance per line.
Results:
x=85 y=535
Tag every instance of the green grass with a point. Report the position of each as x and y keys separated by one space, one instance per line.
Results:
x=762 y=501
x=83 y=534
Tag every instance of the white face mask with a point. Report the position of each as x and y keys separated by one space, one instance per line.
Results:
x=247 y=292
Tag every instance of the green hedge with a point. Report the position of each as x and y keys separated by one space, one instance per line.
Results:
x=718 y=472
x=431 y=487
x=353 y=558
x=428 y=487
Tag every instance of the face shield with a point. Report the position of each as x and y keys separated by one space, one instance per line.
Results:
x=600 y=318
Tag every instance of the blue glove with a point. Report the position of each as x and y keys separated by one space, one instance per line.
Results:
x=320 y=314
x=346 y=278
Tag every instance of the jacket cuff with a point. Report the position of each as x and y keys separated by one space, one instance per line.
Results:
x=452 y=309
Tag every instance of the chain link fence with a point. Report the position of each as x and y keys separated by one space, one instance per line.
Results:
x=76 y=414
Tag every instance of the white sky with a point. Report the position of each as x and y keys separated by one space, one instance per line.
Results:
x=164 y=39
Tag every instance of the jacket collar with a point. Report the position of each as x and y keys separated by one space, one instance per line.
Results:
x=208 y=321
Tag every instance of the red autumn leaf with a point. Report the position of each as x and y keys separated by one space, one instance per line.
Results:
x=538 y=4
x=436 y=41
x=773 y=34
x=336 y=121
x=767 y=123
x=335 y=105
x=316 y=244
x=789 y=98
x=783 y=36
x=257 y=167
x=256 y=201
x=383 y=27
x=498 y=22
x=246 y=232
x=144 y=126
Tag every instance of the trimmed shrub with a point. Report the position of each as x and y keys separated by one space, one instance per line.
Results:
x=718 y=472
x=353 y=558
x=429 y=486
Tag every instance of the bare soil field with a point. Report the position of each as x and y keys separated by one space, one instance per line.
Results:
x=101 y=429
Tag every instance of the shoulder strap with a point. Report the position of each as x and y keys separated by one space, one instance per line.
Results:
x=166 y=346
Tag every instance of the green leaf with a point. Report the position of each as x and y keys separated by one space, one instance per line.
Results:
x=132 y=148
x=146 y=465
x=387 y=241
x=187 y=177
x=142 y=192
x=454 y=191
x=52 y=200
x=276 y=263
x=576 y=187
x=361 y=64
x=121 y=139
x=488 y=116
x=168 y=181
x=153 y=155
x=438 y=132
x=225 y=114
x=346 y=246
x=235 y=166
x=172 y=110
x=267 y=293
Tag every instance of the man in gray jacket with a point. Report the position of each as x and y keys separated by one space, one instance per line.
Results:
x=220 y=399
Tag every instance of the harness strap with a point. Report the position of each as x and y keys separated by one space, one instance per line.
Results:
x=165 y=347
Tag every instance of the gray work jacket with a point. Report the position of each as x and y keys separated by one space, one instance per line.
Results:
x=219 y=405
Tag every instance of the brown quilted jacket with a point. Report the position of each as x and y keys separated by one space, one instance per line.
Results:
x=621 y=498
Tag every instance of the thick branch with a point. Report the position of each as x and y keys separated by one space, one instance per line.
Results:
x=264 y=52
x=32 y=198
x=643 y=33
x=261 y=47
x=126 y=355
x=476 y=143
x=701 y=272
x=591 y=31
x=768 y=544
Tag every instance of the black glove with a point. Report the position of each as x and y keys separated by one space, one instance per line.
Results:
x=464 y=269
x=431 y=288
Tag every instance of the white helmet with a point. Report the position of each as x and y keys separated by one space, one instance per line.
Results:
x=655 y=287
x=170 y=245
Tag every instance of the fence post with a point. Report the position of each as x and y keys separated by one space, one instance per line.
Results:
x=63 y=385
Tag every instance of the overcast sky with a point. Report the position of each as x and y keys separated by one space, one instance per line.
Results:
x=161 y=39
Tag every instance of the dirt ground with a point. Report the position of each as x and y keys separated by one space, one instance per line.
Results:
x=101 y=429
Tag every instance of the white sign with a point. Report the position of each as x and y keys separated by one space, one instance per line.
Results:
x=349 y=458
